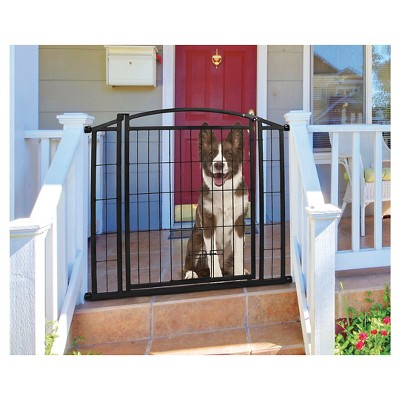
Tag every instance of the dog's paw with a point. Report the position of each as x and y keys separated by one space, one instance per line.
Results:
x=243 y=271
x=191 y=275
x=217 y=273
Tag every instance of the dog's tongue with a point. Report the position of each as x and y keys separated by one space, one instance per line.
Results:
x=218 y=179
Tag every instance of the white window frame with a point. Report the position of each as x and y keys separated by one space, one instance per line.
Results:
x=307 y=80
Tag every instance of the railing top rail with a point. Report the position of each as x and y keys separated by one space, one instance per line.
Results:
x=43 y=134
x=349 y=128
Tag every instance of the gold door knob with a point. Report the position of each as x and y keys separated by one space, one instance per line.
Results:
x=216 y=59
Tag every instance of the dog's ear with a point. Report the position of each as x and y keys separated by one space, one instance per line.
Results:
x=206 y=137
x=235 y=136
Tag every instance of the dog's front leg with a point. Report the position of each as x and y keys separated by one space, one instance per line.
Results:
x=238 y=254
x=238 y=251
x=212 y=256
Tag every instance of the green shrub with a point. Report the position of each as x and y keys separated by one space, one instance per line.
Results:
x=51 y=336
x=365 y=332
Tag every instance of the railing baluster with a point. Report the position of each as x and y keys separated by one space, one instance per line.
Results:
x=355 y=205
x=44 y=159
x=335 y=169
x=378 y=191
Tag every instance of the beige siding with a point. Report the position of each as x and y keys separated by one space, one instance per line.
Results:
x=285 y=93
x=285 y=81
x=73 y=79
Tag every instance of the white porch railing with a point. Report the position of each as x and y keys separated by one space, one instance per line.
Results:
x=360 y=149
x=49 y=249
x=313 y=227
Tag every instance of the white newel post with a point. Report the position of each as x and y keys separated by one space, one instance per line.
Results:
x=78 y=121
x=27 y=287
x=322 y=221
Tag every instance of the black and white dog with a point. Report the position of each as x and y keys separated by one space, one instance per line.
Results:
x=216 y=246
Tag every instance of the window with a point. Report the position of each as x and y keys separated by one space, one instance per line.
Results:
x=381 y=84
x=350 y=84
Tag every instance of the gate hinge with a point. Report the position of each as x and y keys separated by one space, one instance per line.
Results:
x=286 y=127
x=87 y=129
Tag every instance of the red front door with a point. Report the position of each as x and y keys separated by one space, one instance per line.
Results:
x=199 y=82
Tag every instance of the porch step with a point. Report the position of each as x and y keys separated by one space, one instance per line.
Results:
x=352 y=286
x=262 y=320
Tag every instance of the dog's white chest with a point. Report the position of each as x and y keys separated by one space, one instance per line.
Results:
x=226 y=207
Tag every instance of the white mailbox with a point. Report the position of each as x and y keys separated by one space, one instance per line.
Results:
x=131 y=65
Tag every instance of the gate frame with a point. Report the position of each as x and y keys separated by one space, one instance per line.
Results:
x=256 y=126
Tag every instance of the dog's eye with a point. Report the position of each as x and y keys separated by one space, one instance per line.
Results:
x=228 y=154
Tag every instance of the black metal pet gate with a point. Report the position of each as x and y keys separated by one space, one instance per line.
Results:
x=143 y=209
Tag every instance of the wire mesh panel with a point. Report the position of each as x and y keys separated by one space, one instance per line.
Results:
x=186 y=208
x=272 y=202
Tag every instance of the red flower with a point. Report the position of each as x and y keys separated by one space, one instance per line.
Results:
x=374 y=332
x=386 y=320
x=362 y=336
x=383 y=333
x=360 y=345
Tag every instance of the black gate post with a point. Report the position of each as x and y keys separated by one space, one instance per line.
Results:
x=120 y=118
x=93 y=188
x=127 y=203
x=261 y=197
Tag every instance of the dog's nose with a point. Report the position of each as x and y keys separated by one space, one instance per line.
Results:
x=218 y=166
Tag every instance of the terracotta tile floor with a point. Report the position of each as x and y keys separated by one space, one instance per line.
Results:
x=265 y=340
x=162 y=259
x=260 y=320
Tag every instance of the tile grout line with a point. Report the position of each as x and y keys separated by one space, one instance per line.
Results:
x=246 y=321
x=149 y=343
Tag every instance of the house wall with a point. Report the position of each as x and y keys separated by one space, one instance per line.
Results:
x=73 y=79
x=285 y=81
x=285 y=93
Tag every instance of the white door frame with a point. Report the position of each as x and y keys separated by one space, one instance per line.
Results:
x=168 y=101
